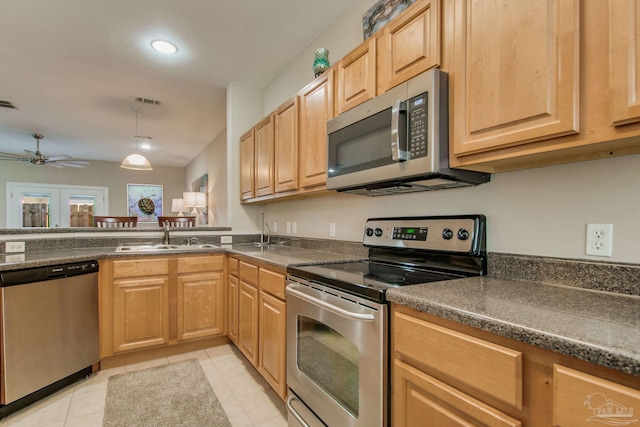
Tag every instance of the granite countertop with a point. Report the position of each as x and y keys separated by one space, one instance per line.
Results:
x=284 y=256
x=275 y=255
x=595 y=326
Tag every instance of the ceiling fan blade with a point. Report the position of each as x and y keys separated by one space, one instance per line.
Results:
x=9 y=156
x=30 y=153
x=59 y=157
x=71 y=163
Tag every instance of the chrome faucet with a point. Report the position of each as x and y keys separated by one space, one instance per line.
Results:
x=262 y=224
x=191 y=241
x=165 y=237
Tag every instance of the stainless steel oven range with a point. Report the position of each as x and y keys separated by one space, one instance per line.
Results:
x=337 y=321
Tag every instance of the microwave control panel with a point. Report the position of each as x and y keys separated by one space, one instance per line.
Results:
x=417 y=112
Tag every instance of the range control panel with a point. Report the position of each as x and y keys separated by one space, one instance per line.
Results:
x=464 y=233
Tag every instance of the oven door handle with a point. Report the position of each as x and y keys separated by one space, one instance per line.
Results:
x=337 y=310
x=295 y=413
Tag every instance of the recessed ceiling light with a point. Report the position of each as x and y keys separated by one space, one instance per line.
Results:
x=164 y=46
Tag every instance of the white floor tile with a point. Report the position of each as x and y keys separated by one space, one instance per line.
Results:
x=245 y=396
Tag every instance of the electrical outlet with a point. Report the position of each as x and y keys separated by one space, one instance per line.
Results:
x=226 y=239
x=288 y=227
x=14 y=247
x=332 y=229
x=294 y=227
x=275 y=227
x=599 y=240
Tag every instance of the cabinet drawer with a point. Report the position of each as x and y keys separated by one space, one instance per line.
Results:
x=249 y=273
x=140 y=267
x=487 y=367
x=272 y=282
x=196 y=264
x=580 y=397
x=420 y=399
x=233 y=266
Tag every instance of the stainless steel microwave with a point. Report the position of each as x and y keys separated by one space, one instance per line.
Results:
x=396 y=143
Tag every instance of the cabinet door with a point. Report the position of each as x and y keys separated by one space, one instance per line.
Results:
x=248 y=321
x=140 y=313
x=264 y=183
x=286 y=146
x=516 y=73
x=200 y=305
x=232 y=308
x=247 y=170
x=356 y=77
x=421 y=400
x=582 y=399
x=624 y=42
x=410 y=44
x=272 y=343
x=316 y=108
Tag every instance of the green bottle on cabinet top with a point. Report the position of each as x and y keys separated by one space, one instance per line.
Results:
x=321 y=63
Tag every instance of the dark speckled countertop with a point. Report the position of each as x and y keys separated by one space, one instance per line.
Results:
x=595 y=326
x=284 y=256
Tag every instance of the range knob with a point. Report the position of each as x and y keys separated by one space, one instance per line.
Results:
x=447 y=234
x=463 y=234
x=378 y=232
x=369 y=231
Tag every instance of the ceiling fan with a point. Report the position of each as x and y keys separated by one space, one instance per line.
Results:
x=38 y=158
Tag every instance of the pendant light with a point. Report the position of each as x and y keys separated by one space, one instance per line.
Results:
x=136 y=161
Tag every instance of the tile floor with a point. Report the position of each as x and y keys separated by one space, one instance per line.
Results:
x=246 y=397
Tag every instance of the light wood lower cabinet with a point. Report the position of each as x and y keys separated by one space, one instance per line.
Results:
x=158 y=301
x=448 y=374
x=259 y=311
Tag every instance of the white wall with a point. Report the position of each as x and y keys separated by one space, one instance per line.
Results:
x=538 y=212
x=213 y=162
x=104 y=174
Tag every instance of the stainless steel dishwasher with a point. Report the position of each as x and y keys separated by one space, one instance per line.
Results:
x=50 y=334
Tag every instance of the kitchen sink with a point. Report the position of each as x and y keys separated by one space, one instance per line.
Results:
x=162 y=247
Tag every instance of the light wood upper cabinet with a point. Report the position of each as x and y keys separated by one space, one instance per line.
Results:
x=356 y=80
x=516 y=73
x=624 y=42
x=247 y=166
x=286 y=146
x=316 y=109
x=264 y=177
x=409 y=45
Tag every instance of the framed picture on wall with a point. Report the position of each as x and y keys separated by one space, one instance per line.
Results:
x=144 y=201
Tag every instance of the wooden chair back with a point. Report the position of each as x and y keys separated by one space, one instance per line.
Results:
x=177 y=221
x=115 y=221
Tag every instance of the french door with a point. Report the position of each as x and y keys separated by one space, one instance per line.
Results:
x=51 y=206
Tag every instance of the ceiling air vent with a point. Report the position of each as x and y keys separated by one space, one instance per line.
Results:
x=147 y=100
x=4 y=103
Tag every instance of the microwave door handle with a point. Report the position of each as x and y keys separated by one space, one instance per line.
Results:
x=398 y=152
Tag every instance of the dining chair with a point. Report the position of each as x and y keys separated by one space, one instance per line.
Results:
x=115 y=221
x=177 y=221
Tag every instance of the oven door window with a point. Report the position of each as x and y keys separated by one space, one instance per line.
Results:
x=330 y=360
x=363 y=145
